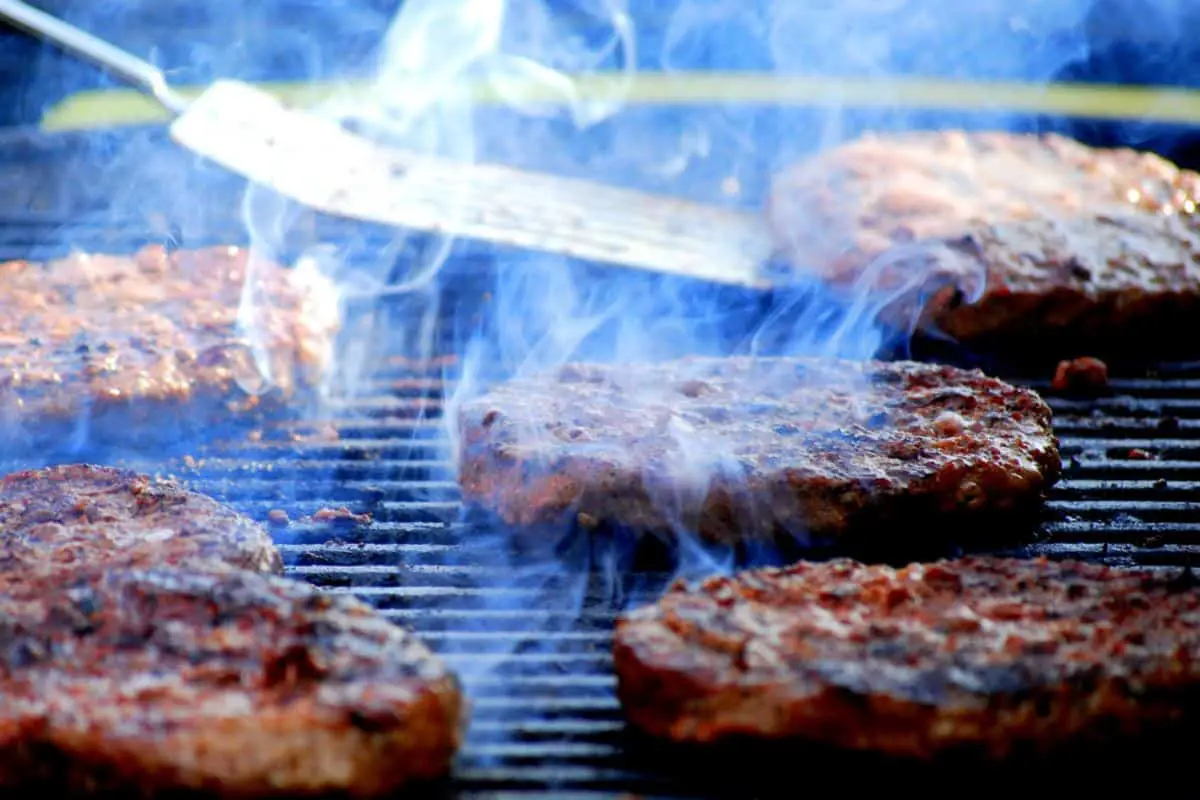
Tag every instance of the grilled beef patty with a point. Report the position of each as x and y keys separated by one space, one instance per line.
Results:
x=147 y=348
x=1018 y=237
x=743 y=448
x=66 y=516
x=215 y=679
x=986 y=655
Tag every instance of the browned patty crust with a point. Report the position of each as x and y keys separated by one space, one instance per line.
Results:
x=79 y=514
x=746 y=448
x=989 y=655
x=159 y=679
x=148 y=347
x=1028 y=236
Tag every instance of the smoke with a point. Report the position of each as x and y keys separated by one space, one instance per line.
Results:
x=535 y=61
x=539 y=66
x=560 y=79
x=561 y=91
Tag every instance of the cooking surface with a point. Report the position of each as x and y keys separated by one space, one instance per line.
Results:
x=545 y=720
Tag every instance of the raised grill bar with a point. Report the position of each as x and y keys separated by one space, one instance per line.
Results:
x=545 y=721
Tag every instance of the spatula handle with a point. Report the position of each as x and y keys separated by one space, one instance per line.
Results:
x=123 y=65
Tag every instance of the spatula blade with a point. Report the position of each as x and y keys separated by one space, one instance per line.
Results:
x=318 y=163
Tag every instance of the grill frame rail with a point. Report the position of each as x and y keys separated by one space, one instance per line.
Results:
x=545 y=721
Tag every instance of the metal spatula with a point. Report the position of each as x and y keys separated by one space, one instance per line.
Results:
x=320 y=164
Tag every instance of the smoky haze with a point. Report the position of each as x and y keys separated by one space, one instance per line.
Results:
x=542 y=312
x=528 y=55
x=425 y=70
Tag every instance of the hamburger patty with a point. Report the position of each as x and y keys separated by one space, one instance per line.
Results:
x=1020 y=236
x=744 y=448
x=65 y=516
x=148 y=349
x=215 y=679
x=990 y=656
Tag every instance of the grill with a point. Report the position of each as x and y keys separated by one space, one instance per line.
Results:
x=545 y=720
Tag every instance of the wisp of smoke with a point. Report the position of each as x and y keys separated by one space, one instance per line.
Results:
x=436 y=57
x=536 y=58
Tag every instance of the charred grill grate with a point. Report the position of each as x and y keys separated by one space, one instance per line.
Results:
x=545 y=720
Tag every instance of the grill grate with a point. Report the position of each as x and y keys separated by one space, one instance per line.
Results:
x=546 y=722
